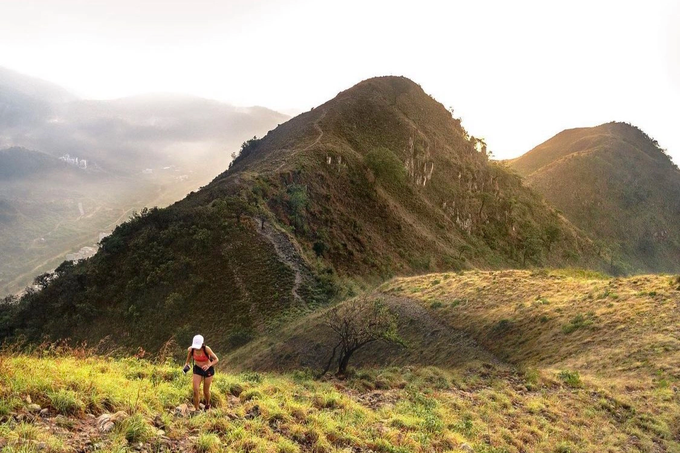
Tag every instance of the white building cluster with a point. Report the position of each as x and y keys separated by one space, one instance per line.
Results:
x=80 y=163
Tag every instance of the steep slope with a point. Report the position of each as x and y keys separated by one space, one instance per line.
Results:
x=614 y=182
x=378 y=181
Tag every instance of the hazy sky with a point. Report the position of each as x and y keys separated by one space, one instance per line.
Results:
x=516 y=71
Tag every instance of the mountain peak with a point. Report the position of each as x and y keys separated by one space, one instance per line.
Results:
x=615 y=182
x=378 y=181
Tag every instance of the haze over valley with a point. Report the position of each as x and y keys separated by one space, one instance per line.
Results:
x=72 y=169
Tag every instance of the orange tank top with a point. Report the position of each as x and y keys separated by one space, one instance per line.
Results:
x=199 y=355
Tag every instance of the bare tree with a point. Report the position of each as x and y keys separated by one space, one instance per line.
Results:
x=357 y=323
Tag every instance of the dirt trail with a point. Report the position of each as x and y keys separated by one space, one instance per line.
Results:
x=289 y=255
x=311 y=145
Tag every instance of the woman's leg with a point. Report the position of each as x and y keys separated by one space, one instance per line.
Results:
x=206 y=390
x=197 y=389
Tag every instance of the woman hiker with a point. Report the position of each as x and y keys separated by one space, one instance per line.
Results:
x=204 y=359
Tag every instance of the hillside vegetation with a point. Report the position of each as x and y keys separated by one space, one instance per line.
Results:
x=379 y=181
x=68 y=401
x=572 y=319
x=615 y=183
x=613 y=339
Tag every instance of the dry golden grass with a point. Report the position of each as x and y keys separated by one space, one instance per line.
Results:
x=564 y=361
x=617 y=327
x=482 y=408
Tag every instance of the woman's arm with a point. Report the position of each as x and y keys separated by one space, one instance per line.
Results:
x=212 y=356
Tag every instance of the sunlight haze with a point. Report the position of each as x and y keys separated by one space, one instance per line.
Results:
x=516 y=72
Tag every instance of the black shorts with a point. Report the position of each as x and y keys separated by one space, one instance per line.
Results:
x=205 y=373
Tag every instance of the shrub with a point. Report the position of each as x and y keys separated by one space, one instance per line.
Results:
x=502 y=326
x=386 y=166
x=456 y=303
x=207 y=443
x=577 y=322
x=66 y=402
x=135 y=429
x=571 y=378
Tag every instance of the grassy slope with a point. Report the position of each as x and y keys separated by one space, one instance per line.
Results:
x=624 y=327
x=478 y=407
x=616 y=337
x=404 y=191
x=614 y=183
x=555 y=319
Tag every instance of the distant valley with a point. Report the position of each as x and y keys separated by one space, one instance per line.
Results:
x=72 y=169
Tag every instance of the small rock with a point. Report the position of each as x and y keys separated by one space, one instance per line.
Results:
x=182 y=410
x=28 y=399
x=119 y=416
x=106 y=422
x=33 y=407
x=158 y=421
x=44 y=412
x=90 y=416
x=41 y=446
x=253 y=412
x=104 y=418
x=236 y=389
x=29 y=418
x=467 y=447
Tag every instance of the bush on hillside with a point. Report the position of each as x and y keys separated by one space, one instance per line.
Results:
x=386 y=166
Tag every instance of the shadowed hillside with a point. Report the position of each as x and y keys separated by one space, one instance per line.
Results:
x=379 y=181
x=615 y=183
x=614 y=339
x=563 y=319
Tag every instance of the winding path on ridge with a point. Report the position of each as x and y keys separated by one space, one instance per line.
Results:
x=289 y=255
x=306 y=148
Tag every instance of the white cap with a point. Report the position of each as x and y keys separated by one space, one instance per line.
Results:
x=198 y=342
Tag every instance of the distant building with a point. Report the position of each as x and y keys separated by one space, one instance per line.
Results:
x=80 y=163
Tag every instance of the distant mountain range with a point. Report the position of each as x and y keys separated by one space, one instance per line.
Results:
x=130 y=153
x=616 y=184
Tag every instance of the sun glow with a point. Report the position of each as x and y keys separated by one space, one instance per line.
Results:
x=517 y=72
